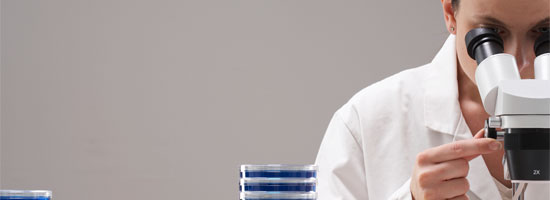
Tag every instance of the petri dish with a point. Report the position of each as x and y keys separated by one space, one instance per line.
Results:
x=278 y=195
x=278 y=171
x=25 y=195
x=278 y=184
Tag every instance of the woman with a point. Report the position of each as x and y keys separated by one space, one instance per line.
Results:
x=417 y=134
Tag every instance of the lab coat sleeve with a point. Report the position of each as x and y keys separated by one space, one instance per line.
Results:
x=341 y=168
x=403 y=193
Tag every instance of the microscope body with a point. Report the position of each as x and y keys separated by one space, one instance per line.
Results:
x=523 y=110
x=519 y=108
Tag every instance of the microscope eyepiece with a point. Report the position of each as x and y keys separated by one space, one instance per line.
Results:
x=482 y=43
x=542 y=44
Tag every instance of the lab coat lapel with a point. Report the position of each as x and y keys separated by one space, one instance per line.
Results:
x=441 y=107
x=442 y=114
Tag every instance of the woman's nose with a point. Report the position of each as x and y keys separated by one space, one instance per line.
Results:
x=522 y=52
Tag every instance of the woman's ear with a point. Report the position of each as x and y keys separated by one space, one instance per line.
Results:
x=449 y=14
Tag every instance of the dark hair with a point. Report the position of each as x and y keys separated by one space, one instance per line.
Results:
x=454 y=3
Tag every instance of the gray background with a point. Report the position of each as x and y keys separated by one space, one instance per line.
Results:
x=165 y=99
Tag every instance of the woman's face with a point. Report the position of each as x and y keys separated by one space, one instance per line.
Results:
x=519 y=23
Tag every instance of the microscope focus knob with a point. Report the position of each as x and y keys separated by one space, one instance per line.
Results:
x=491 y=126
x=491 y=133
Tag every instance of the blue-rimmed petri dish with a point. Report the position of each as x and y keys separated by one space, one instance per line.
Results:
x=278 y=184
x=278 y=196
x=25 y=195
x=278 y=171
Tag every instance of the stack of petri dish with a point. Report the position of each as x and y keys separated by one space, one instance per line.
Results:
x=25 y=195
x=278 y=182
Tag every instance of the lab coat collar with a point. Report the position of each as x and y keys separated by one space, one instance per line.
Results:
x=442 y=114
x=441 y=107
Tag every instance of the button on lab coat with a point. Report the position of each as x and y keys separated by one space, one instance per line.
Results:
x=370 y=146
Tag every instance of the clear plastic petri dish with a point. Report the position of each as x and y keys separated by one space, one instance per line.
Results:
x=278 y=195
x=25 y=195
x=278 y=184
x=278 y=171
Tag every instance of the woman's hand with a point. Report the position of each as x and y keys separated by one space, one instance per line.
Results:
x=440 y=172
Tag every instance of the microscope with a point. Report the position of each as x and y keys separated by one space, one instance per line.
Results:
x=519 y=108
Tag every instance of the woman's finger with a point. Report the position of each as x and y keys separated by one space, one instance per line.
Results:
x=461 y=197
x=453 y=169
x=454 y=187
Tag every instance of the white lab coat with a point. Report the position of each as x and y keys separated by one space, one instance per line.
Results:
x=371 y=143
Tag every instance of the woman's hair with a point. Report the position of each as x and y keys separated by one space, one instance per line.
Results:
x=454 y=3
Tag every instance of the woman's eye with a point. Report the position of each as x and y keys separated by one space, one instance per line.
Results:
x=495 y=29
x=543 y=29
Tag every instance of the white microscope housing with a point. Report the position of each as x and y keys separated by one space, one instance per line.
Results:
x=519 y=108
